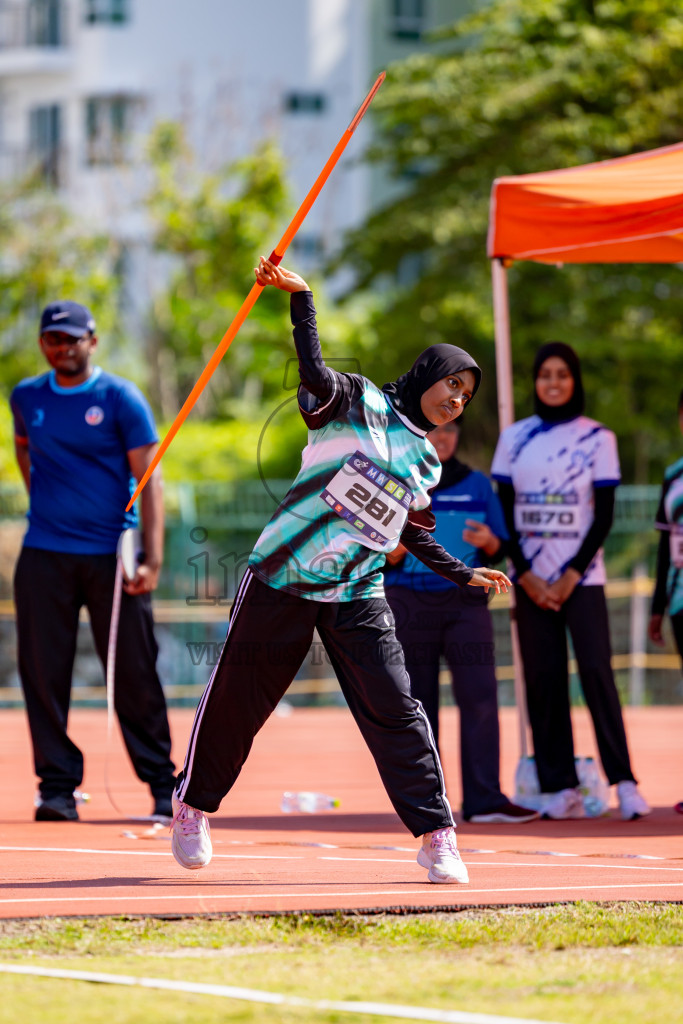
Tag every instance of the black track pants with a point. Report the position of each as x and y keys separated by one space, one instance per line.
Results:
x=50 y=588
x=543 y=643
x=677 y=627
x=268 y=638
x=456 y=624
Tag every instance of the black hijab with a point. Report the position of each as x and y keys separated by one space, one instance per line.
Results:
x=574 y=407
x=435 y=363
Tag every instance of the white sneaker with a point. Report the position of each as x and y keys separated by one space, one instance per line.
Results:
x=190 y=836
x=631 y=803
x=567 y=803
x=439 y=853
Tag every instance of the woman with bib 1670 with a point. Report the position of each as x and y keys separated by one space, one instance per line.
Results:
x=557 y=473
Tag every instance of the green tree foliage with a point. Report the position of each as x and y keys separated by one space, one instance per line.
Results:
x=212 y=228
x=529 y=85
x=45 y=255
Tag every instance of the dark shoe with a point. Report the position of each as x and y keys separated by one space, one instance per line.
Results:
x=57 y=808
x=163 y=810
x=162 y=794
x=507 y=814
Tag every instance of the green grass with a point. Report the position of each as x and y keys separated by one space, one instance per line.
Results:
x=620 y=963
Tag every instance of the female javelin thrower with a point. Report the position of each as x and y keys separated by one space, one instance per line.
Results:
x=363 y=485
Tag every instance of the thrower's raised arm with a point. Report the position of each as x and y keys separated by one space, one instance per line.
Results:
x=276 y=255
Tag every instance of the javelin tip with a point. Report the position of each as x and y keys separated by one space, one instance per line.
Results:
x=366 y=102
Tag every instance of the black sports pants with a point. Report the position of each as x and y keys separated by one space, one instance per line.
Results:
x=456 y=624
x=543 y=643
x=50 y=588
x=268 y=638
x=677 y=627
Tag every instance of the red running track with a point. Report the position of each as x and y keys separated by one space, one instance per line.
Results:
x=357 y=857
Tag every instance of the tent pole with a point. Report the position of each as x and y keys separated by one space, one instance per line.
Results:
x=506 y=415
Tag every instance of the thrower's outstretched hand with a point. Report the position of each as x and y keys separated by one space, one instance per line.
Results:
x=279 y=277
x=491 y=578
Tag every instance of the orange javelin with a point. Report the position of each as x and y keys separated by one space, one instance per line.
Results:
x=275 y=257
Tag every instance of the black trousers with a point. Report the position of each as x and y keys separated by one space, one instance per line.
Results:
x=677 y=627
x=50 y=588
x=456 y=624
x=268 y=638
x=543 y=643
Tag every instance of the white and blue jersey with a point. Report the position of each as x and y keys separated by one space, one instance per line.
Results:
x=78 y=439
x=553 y=468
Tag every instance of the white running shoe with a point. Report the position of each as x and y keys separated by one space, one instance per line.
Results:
x=631 y=802
x=190 y=836
x=567 y=803
x=439 y=853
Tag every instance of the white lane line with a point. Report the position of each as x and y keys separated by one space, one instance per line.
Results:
x=150 y=853
x=274 y=998
x=426 y=888
x=516 y=864
x=371 y=860
x=335 y=857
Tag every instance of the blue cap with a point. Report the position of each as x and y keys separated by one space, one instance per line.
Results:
x=69 y=317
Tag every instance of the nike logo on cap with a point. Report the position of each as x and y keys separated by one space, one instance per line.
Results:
x=59 y=316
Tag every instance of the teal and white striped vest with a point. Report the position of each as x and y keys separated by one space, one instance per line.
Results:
x=360 y=475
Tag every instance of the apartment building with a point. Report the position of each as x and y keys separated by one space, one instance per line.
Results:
x=82 y=82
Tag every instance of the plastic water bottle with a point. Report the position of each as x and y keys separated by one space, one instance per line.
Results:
x=527 y=791
x=593 y=788
x=307 y=803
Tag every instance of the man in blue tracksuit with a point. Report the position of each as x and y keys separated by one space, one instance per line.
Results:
x=81 y=437
x=435 y=618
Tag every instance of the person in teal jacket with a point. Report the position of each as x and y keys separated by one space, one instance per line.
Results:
x=668 y=592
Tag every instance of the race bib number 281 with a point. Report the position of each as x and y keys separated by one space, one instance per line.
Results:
x=676 y=546
x=372 y=501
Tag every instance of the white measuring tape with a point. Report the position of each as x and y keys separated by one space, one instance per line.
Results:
x=255 y=996
x=128 y=552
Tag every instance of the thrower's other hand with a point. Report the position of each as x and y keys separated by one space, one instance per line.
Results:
x=279 y=277
x=493 y=578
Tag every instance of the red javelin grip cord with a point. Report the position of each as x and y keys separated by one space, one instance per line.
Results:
x=276 y=258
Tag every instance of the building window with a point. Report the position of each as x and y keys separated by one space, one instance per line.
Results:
x=109 y=12
x=408 y=19
x=108 y=124
x=44 y=23
x=308 y=247
x=45 y=136
x=305 y=103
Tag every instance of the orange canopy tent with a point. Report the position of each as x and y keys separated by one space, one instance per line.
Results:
x=627 y=210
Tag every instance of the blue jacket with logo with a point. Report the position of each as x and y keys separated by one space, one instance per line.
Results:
x=78 y=439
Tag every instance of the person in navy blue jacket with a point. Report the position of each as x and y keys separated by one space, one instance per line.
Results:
x=434 y=618
x=81 y=437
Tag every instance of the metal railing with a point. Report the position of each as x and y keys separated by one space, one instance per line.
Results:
x=212 y=526
x=248 y=504
x=46 y=168
x=33 y=23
